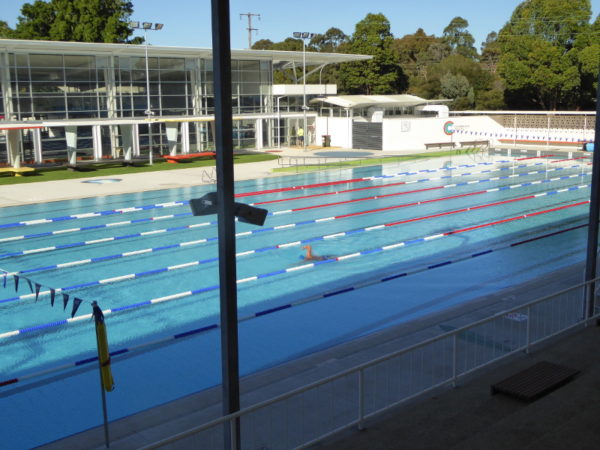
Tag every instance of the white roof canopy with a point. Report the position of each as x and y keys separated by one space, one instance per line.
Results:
x=279 y=58
x=364 y=101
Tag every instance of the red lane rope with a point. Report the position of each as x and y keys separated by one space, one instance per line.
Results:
x=534 y=157
x=304 y=186
x=374 y=197
x=537 y=213
x=387 y=208
x=302 y=197
x=333 y=183
x=456 y=211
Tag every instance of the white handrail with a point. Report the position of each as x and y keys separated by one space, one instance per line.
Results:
x=359 y=369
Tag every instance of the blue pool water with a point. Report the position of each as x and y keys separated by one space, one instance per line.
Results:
x=446 y=211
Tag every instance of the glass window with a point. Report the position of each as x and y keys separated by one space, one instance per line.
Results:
x=249 y=65
x=172 y=63
x=81 y=88
x=80 y=74
x=80 y=61
x=48 y=104
x=47 y=74
x=22 y=60
x=172 y=75
x=173 y=88
x=48 y=87
x=22 y=74
x=46 y=60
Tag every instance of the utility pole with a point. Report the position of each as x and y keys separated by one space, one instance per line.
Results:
x=250 y=29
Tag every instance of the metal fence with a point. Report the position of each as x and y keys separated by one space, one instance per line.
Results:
x=321 y=409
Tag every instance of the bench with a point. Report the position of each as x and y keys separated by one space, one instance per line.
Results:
x=439 y=145
x=81 y=165
x=178 y=158
x=17 y=171
x=474 y=143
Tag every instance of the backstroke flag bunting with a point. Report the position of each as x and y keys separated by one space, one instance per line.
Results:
x=36 y=289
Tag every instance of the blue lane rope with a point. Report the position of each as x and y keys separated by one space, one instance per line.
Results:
x=215 y=326
x=70 y=264
x=291 y=269
x=274 y=213
x=185 y=202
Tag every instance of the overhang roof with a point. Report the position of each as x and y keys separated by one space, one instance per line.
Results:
x=364 y=101
x=92 y=48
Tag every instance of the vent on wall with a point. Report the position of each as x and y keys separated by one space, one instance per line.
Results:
x=367 y=135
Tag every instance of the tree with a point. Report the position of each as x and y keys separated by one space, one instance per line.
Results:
x=76 y=20
x=329 y=42
x=543 y=54
x=459 y=39
x=380 y=75
x=6 y=31
x=458 y=88
x=490 y=51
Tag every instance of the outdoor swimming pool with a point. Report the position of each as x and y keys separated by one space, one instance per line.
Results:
x=421 y=236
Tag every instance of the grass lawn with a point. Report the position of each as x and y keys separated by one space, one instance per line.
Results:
x=105 y=169
x=374 y=161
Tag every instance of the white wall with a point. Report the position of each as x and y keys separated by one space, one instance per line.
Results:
x=338 y=128
x=414 y=133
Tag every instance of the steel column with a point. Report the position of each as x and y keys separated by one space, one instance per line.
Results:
x=226 y=218
x=592 y=242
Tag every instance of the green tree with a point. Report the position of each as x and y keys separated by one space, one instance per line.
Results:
x=459 y=39
x=543 y=59
x=380 y=75
x=76 y=20
x=6 y=31
x=490 y=51
x=330 y=41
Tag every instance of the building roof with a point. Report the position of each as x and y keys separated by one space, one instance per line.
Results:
x=364 y=101
x=277 y=56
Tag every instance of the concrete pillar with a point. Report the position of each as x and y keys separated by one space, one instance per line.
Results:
x=185 y=137
x=172 y=134
x=127 y=141
x=258 y=134
x=71 y=136
x=97 y=141
x=37 y=145
x=13 y=143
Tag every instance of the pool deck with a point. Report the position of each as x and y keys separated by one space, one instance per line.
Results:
x=467 y=417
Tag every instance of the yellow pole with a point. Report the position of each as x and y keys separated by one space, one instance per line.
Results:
x=106 y=380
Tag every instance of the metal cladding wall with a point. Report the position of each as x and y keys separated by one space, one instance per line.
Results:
x=367 y=135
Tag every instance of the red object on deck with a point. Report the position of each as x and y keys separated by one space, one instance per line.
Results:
x=176 y=158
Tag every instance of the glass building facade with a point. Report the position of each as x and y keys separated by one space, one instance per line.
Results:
x=82 y=94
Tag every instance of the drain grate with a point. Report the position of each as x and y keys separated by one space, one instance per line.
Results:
x=535 y=382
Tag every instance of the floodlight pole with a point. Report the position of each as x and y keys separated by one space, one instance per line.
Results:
x=156 y=27
x=148 y=110
x=304 y=108
x=226 y=219
x=592 y=241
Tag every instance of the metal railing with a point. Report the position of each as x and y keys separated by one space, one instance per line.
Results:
x=315 y=163
x=311 y=413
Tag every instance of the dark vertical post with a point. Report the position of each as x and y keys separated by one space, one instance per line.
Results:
x=226 y=219
x=592 y=244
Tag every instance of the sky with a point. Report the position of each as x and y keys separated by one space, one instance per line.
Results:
x=187 y=22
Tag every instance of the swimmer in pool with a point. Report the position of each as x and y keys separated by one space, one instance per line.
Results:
x=310 y=256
